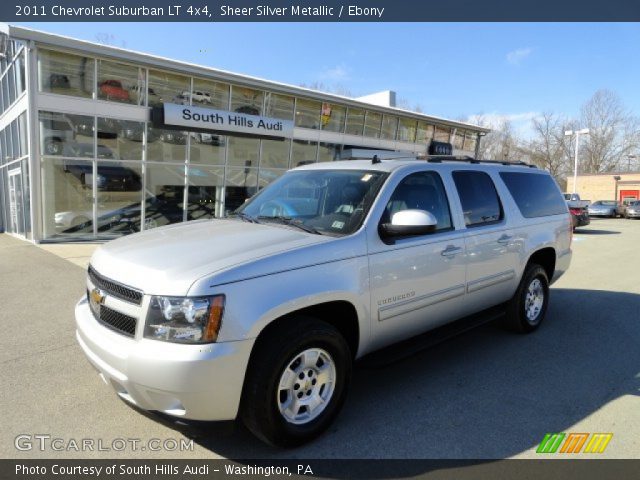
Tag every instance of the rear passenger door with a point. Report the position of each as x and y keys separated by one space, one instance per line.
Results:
x=492 y=255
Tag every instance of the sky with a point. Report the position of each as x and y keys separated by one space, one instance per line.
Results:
x=452 y=70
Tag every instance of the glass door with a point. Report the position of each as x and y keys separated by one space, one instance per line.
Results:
x=16 y=211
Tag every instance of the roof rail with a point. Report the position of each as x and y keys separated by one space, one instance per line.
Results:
x=468 y=159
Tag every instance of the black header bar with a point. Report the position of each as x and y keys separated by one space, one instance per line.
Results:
x=318 y=11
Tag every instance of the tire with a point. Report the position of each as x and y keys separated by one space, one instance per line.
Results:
x=53 y=146
x=525 y=314
x=264 y=400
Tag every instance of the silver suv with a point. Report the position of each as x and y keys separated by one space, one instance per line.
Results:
x=261 y=315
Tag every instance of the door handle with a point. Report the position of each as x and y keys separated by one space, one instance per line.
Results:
x=451 y=251
x=505 y=239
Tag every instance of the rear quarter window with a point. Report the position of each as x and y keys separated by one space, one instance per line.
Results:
x=535 y=194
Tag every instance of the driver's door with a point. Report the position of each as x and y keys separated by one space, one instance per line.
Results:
x=417 y=283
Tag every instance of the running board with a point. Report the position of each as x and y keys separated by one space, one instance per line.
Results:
x=406 y=348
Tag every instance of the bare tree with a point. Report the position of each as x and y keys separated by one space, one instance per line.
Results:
x=549 y=148
x=109 y=39
x=501 y=143
x=336 y=89
x=613 y=132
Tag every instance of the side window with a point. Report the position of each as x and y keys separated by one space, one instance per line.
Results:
x=479 y=198
x=421 y=191
x=536 y=194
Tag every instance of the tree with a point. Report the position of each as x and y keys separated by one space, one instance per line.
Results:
x=501 y=143
x=548 y=147
x=613 y=132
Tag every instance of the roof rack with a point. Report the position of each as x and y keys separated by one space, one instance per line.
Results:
x=468 y=159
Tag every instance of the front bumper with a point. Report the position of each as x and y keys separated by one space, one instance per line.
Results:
x=196 y=382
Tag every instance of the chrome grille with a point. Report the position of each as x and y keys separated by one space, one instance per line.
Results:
x=117 y=321
x=115 y=289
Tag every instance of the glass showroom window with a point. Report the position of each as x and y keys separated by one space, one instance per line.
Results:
x=389 y=127
x=210 y=94
x=328 y=152
x=268 y=175
x=470 y=142
x=458 y=139
x=66 y=135
x=246 y=100
x=278 y=106
x=307 y=113
x=119 y=193
x=275 y=153
x=372 y=124
x=303 y=152
x=165 y=145
x=207 y=148
x=355 y=121
x=119 y=139
x=165 y=87
x=204 y=195
x=407 y=130
x=443 y=134
x=65 y=74
x=67 y=197
x=424 y=133
x=119 y=82
x=243 y=151
x=241 y=184
x=164 y=192
x=332 y=117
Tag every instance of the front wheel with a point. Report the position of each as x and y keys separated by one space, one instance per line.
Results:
x=296 y=382
x=527 y=308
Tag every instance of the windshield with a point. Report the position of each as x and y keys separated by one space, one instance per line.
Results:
x=332 y=202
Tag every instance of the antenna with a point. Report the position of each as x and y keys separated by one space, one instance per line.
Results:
x=375 y=159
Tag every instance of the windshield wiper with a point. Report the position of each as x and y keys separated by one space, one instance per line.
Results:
x=292 y=222
x=245 y=217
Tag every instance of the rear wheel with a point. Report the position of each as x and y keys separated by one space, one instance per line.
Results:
x=527 y=308
x=296 y=382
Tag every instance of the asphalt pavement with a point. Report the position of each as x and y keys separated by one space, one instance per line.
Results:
x=486 y=394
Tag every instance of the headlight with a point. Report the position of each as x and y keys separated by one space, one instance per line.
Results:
x=184 y=319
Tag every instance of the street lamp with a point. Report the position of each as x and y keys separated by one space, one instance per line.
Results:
x=630 y=157
x=616 y=178
x=577 y=133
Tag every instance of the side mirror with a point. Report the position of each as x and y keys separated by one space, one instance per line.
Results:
x=409 y=222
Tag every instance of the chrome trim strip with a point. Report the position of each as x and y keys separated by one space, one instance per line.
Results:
x=484 y=282
x=388 y=311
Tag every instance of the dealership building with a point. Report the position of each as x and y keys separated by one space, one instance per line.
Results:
x=98 y=142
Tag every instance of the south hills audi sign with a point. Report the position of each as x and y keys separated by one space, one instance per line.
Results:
x=206 y=119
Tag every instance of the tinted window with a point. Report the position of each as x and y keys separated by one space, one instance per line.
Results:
x=422 y=191
x=536 y=195
x=480 y=202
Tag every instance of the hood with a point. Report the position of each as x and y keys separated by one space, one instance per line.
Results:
x=168 y=260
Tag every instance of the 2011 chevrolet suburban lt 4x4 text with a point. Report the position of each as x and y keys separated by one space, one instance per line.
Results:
x=260 y=315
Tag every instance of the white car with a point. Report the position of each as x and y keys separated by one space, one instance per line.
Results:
x=261 y=315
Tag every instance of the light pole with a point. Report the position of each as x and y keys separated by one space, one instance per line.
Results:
x=577 y=133
x=630 y=157
x=616 y=178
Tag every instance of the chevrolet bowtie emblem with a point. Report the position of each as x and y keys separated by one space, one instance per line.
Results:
x=97 y=297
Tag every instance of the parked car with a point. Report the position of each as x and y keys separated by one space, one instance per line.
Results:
x=56 y=131
x=579 y=217
x=110 y=177
x=633 y=210
x=261 y=315
x=606 y=208
x=197 y=96
x=113 y=90
x=574 y=201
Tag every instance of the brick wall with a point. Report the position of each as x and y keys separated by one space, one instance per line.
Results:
x=603 y=186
